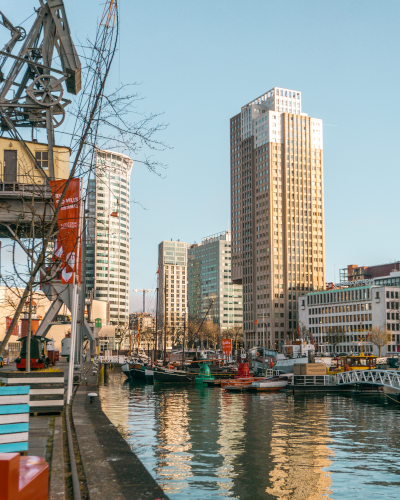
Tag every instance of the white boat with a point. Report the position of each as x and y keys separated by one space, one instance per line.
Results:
x=271 y=384
x=125 y=368
x=294 y=353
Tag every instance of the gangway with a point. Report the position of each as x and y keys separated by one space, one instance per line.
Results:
x=387 y=378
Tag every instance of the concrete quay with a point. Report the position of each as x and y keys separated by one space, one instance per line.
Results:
x=111 y=469
x=108 y=468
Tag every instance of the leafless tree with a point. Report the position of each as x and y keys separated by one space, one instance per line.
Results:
x=380 y=337
x=104 y=118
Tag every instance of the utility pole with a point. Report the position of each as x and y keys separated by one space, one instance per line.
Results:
x=165 y=323
x=29 y=334
x=183 y=343
x=155 y=337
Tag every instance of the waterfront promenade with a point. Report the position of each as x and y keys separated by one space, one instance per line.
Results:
x=107 y=467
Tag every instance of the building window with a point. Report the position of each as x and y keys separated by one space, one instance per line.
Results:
x=42 y=158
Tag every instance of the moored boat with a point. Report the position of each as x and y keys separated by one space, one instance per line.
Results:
x=149 y=374
x=270 y=384
x=162 y=374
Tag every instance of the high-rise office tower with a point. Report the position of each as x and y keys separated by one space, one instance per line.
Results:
x=107 y=263
x=276 y=211
x=209 y=280
x=172 y=280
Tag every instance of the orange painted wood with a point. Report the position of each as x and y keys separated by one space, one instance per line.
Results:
x=23 y=478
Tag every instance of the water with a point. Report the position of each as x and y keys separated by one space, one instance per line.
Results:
x=209 y=444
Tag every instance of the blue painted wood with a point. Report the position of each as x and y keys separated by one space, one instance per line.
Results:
x=10 y=409
x=13 y=391
x=12 y=428
x=13 y=447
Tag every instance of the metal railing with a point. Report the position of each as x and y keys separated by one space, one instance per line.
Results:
x=116 y=360
x=314 y=380
x=387 y=378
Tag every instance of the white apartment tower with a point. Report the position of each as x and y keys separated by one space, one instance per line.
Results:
x=276 y=211
x=172 y=287
x=108 y=233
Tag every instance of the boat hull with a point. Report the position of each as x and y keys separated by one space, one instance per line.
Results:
x=163 y=376
x=149 y=374
x=137 y=374
x=276 y=385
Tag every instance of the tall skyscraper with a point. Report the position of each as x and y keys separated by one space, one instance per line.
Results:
x=172 y=280
x=209 y=279
x=276 y=211
x=107 y=262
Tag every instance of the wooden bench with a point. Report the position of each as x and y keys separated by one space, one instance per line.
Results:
x=47 y=389
x=14 y=419
x=23 y=477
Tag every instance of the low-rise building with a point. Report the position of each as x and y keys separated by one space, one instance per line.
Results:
x=353 y=272
x=337 y=319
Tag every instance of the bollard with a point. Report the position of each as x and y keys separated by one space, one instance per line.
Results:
x=92 y=397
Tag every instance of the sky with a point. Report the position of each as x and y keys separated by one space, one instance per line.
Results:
x=197 y=63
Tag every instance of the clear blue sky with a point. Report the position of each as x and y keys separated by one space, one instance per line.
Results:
x=198 y=62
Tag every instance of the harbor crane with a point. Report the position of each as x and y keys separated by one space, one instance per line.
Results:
x=144 y=290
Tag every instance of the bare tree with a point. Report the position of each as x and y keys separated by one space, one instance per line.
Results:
x=210 y=333
x=335 y=336
x=380 y=337
x=235 y=333
x=103 y=119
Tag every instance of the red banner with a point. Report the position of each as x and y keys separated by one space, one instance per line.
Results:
x=227 y=346
x=68 y=245
x=8 y=323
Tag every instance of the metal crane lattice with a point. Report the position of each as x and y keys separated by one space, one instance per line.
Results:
x=31 y=92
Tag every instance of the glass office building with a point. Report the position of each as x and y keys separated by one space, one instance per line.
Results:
x=209 y=279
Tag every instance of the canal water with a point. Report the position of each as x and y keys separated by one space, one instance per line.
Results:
x=203 y=443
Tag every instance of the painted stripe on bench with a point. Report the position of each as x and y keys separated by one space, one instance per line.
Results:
x=46 y=391
x=11 y=428
x=47 y=402
x=13 y=447
x=10 y=409
x=11 y=391
x=43 y=386
x=13 y=400
x=13 y=438
x=14 y=418
x=31 y=380
x=46 y=397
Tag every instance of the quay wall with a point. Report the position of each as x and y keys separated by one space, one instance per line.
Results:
x=111 y=468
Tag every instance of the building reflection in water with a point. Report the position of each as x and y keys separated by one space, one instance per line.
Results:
x=174 y=443
x=231 y=427
x=299 y=451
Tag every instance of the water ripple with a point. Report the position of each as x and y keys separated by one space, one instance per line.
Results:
x=208 y=444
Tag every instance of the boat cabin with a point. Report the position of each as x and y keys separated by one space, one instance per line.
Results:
x=298 y=349
x=356 y=362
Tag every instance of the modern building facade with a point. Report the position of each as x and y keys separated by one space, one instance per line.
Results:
x=209 y=281
x=277 y=216
x=351 y=312
x=172 y=288
x=107 y=248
